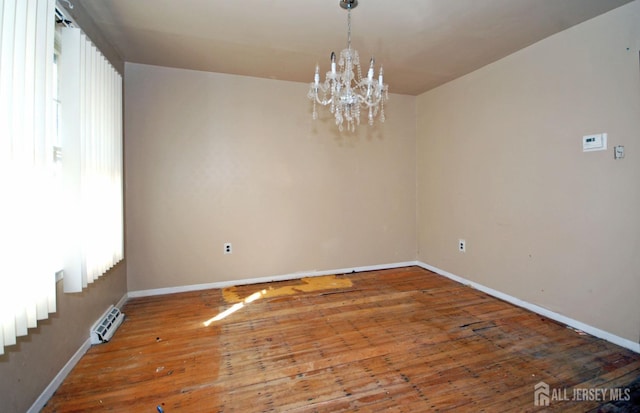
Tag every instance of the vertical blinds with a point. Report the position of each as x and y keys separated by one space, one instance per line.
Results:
x=33 y=230
x=91 y=105
x=27 y=261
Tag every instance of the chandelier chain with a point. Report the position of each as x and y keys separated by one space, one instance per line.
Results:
x=349 y=29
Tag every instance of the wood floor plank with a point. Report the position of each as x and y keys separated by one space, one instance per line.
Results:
x=400 y=340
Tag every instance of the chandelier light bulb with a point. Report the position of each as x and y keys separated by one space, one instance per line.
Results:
x=333 y=63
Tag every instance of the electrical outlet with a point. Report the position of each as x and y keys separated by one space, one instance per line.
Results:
x=227 y=248
x=462 y=245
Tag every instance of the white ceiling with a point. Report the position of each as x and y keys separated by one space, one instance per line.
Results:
x=420 y=43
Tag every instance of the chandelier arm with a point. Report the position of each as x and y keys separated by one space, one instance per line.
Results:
x=369 y=104
x=314 y=95
x=324 y=102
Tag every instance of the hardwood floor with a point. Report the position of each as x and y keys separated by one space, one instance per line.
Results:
x=403 y=340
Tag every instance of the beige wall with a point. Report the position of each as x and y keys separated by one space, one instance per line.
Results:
x=214 y=158
x=27 y=368
x=500 y=164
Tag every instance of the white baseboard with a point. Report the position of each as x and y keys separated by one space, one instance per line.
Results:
x=594 y=331
x=42 y=400
x=44 y=397
x=247 y=281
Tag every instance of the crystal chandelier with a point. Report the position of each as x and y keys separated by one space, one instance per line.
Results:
x=344 y=90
